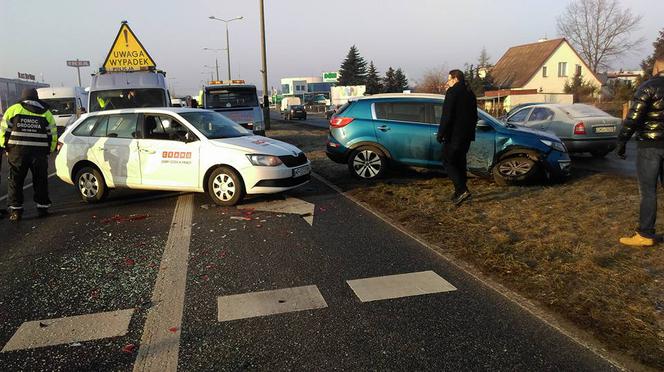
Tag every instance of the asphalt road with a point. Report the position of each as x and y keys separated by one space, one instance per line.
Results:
x=89 y=276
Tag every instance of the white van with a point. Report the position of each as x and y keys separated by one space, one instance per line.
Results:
x=66 y=104
x=120 y=90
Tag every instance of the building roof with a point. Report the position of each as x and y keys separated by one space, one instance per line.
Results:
x=518 y=65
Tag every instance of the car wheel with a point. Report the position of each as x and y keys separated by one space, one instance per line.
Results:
x=90 y=185
x=599 y=153
x=225 y=186
x=367 y=163
x=513 y=170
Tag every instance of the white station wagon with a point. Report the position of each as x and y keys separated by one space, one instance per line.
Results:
x=176 y=149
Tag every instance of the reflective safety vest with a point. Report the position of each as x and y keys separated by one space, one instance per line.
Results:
x=101 y=102
x=28 y=124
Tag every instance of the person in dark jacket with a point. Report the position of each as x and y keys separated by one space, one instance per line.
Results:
x=456 y=131
x=645 y=119
x=28 y=134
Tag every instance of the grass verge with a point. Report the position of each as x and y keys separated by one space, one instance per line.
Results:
x=554 y=244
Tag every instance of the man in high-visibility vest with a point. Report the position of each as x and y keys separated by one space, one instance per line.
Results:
x=28 y=134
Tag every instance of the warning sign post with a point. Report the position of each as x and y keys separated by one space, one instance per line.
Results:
x=127 y=53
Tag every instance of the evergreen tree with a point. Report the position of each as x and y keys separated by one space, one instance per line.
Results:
x=648 y=63
x=389 y=81
x=484 y=60
x=373 y=83
x=353 y=70
x=473 y=80
x=400 y=81
x=582 y=91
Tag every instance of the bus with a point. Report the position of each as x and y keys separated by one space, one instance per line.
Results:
x=235 y=100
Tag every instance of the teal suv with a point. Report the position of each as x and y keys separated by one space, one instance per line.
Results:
x=371 y=133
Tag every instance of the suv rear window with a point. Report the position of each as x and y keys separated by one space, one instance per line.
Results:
x=414 y=112
x=342 y=108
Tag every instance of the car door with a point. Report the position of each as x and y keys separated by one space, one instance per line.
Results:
x=482 y=150
x=169 y=153
x=115 y=149
x=402 y=128
x=540 y=118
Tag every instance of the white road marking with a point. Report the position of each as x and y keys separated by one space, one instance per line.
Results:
x=79 y=328
x=26 y=187
x=289 y=205
x=396 y=286
x=255 y=304
x=159 y=347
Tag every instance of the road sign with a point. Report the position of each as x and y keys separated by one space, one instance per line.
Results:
x=78 y=63
x=127 y=53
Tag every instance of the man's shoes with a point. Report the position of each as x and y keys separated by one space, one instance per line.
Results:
x=459 y=199
x=637 y=241
x=42 y=212
x=15 y=215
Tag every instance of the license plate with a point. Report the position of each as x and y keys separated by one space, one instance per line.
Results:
x=301 y=171
x=610 y=129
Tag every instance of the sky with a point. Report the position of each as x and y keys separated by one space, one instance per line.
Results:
x=304 y=37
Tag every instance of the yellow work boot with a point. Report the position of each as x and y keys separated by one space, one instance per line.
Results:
x=637 y=241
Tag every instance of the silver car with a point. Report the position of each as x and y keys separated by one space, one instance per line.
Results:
x=582 y=128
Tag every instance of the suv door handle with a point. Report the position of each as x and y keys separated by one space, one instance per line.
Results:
x=148 y=151
x=384 y=128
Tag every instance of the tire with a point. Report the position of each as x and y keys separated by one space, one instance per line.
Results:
x=514 y=169
x=90 y=185
x=225 y=187
x=367 y=163
x=599 y=153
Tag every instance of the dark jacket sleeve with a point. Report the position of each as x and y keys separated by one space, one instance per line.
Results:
x=446 y=121
x=637 y=112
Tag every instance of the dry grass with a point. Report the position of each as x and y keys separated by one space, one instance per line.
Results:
x=554 y=244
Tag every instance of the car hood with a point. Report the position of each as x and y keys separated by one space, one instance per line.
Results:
x=538 y=133
x=257 y=145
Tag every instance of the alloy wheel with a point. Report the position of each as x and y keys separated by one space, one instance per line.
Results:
x=515 y=167
x=367 y=164
x=88 y=185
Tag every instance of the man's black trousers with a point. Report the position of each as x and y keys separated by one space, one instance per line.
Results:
x=454 y=160
x=20 y=162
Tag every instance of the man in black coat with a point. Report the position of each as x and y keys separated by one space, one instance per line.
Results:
x=646 y=120
x=456 y=131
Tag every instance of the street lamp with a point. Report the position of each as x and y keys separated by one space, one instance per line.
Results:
x=205 y=73
x=216 y=62
x=266 y=102
x=228 y=48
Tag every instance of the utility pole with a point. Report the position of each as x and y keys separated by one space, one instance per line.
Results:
x=266 y=100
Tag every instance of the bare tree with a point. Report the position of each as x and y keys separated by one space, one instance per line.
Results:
x=600 y=29
x=433 y=81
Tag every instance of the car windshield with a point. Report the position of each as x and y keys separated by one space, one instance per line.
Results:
x=214 y=125
x=584 y=111
x=61 y=106
x=297 y=107
x=220 y=98
x=126 y=98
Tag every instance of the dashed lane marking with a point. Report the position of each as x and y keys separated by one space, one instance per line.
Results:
x=26 y=187
x=401 y=285
x=159 y=345
x=79 y=328
x=255 y=304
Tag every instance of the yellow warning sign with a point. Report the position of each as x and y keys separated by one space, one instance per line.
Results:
x=127 y=53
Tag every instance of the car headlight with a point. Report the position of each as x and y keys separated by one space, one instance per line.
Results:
x=264 y=160
x=559 y=146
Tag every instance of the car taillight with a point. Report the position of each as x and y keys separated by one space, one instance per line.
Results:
x=340 y=122
x=58 y=146
x=580 y=128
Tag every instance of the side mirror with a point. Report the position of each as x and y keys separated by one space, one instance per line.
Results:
x=483 y=125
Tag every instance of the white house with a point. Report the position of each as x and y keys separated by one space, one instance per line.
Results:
x=545 y=66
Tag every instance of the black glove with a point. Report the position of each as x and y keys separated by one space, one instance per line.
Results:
x=620 y=150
